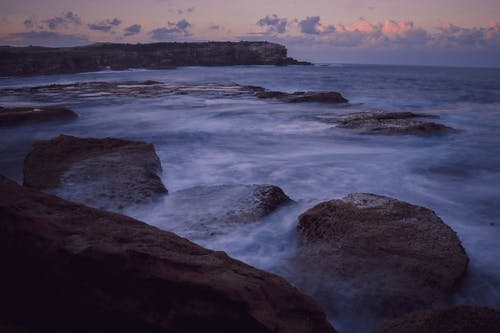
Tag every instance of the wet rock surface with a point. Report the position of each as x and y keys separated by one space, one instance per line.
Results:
x=159 y=89
x=103 y=173
x=389 y=123
x=206 y=211
x=458 y=319
x=71 y=268
x=101 y=56
x=380 y=253
x=13 y=116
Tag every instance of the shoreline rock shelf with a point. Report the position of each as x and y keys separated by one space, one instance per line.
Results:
x=72 y=268
x=103 y=173
x=395 y=256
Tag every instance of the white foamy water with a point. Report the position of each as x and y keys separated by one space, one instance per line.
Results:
x=213 y=140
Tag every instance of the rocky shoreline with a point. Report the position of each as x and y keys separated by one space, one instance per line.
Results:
x=103 y=56
x=126 y=275
x=74 y=263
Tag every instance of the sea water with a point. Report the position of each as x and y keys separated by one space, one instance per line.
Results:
x=212 y=139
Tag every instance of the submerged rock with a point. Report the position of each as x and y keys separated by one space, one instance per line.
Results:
x=391 y=123
x=10 y=116
x=394 y=256
x=458 y=319
x=205 y=211
x=70 y=268
x=104 y=173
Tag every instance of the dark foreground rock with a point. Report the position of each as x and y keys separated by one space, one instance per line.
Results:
x=393 y=256
x=205 y=211
x=70 y=268
x=101 y=56
x=458 y=319
x=104 y=173
x=389 y=123
x=11 y=116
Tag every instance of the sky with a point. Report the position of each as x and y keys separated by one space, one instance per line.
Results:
x=409 y=32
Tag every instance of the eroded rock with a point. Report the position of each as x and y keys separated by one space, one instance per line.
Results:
x=104 y=173
x=70 y=268
x=393 y=256
x=391 y=123
x=11 y=116
x=458 y=319
x=205 y=211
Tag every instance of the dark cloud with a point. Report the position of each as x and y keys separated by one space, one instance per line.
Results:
x=43 y=38
x=214 y=27
x=132 y=30
x=173 y=30
x=28 y=23
x=105 y=25
x=65 y=20
x=310 y=25
x=273 y=23
x=188 y=10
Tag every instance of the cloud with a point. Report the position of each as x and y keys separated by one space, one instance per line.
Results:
x=311 y=25
x=132 y=30
x=64 y=21
x=105 y=25
x=43 y=38
x=214 y=27
x=174 y=30
x=273 y=23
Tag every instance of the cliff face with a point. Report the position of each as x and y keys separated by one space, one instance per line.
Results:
x=41 y=60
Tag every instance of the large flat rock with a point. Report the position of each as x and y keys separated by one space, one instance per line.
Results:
x=70 y=268
x=104 y=173
x=458 y=319
x=393 y=256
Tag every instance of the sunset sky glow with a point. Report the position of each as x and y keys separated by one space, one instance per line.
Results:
x=425 y=32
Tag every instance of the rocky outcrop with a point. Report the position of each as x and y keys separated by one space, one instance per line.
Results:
x=206 y=211
x=11 y=116
x=391 y=123
x=95 y=57
x=458 y=319
x=394 y=256
x=103 y=173
x=70 y=268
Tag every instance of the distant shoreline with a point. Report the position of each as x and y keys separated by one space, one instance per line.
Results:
x=35 y=60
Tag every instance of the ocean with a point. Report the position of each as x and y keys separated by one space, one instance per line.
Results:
x=210 y=138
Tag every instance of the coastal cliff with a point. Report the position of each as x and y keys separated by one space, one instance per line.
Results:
x=44 y=60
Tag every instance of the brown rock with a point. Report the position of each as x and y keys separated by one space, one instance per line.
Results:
x=104 y=173
x=458 y=319
x=395 y=256
x=204 y=211
x=12 y=116
x=391 y=123
x=70 y=268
